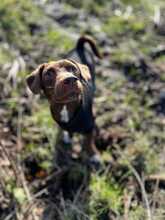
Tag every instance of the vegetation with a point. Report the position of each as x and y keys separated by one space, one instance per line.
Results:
x=41 y=181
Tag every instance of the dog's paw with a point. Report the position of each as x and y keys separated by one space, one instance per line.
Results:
x=95 y=162
x=66 y=138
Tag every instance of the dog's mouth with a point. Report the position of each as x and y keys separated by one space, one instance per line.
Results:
x=65 y=93
x=68 y=97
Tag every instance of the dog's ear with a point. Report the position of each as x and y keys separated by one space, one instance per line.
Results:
x=84 y=72
x=34 y=79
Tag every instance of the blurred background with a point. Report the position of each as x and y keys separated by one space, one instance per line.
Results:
x=129 y=106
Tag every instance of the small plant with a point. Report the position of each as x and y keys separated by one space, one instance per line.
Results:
x=105 y=196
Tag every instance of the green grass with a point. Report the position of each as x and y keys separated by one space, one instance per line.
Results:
x=59 y=39
x=15 y=20
x=126 y=109
x=120 y=25
x=5 y=55
x=45 y=128
x=104 y=195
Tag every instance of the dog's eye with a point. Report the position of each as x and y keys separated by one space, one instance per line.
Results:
x=49 y=73
x=71 y=68
x=49 y=77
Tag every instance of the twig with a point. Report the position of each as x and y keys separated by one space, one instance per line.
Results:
x=31 y=200
x=22 y=176
x=10 y=216
x=127 y=204
x=63 y=203
x=138 y=178
x=154 y=196
x=60 y=213
x=19 y=129
x=26 y=189
x=144 y=194
x=10 y=159
x=79 y=192
x=79 y=211
x=29 y=209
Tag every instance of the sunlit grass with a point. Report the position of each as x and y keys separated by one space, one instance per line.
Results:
x=105 y=195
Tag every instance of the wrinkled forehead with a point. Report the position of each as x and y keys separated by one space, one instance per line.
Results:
x=60 y=64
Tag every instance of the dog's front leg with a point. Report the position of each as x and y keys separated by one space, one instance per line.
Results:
x=67 y=137
x=90 y=147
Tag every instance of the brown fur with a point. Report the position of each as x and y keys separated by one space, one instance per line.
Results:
x=52 y=78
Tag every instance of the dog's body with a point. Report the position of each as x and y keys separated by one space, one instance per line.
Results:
x=69 y=86
x=83 y=122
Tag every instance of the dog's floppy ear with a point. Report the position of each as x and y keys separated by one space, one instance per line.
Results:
x=34 y=79
x=84 y=72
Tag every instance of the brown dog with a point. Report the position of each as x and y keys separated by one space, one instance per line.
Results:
x=68 y=85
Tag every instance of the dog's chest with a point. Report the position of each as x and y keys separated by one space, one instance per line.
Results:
x=64 y=114
x=81 y=122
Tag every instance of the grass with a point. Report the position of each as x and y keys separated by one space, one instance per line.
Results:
x=59 y=37
x=125 y=113
x=15 y=24
x=120 y=25
x=5 y=55
x=104 y=195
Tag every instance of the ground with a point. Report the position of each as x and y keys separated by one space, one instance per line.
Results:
x=41 y=178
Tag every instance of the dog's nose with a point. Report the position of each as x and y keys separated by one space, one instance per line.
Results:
x=70 y=80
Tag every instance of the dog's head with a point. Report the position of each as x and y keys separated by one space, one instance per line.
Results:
x=61 y=81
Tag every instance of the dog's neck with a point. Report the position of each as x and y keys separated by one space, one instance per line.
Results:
x=63 y=112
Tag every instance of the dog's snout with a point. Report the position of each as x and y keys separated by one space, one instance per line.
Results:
x=70 y=80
